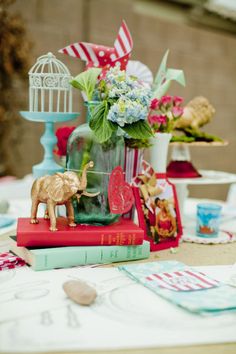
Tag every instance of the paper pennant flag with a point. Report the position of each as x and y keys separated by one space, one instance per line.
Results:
x=102 y=56
x=182 y=280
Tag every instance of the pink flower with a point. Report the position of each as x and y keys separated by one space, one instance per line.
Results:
x=157 y=119
x=162 y=119
x=177 y=100
x=177 y=111
x=153 y=119
x=166 y=100
x=154 y=103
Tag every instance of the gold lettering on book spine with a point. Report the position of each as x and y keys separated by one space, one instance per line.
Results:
x=133 y=238
x=109 y=239
x=118 y=239
x=130 y=239
x=122 y=238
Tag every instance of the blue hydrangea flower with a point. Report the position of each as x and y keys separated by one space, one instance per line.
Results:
x=120 y=84
x=132 y=98
x=141 y=94
x=126 y=111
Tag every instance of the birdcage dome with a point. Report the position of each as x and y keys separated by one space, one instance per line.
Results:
x=49 y=86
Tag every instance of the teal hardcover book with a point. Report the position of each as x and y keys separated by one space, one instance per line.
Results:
x=65 y=257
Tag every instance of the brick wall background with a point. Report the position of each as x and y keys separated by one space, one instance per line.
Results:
x=207 y=57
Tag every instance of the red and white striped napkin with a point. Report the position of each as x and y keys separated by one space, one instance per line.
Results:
x=10 y=261
x=184 y=280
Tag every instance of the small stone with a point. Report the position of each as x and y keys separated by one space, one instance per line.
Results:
x=80 y=292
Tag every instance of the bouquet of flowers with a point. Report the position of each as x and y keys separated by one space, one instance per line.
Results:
x=122 y=103
x=126 y=105
x=164 y=113
x=122 y=89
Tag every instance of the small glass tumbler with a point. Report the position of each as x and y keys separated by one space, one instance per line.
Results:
x=208 y=219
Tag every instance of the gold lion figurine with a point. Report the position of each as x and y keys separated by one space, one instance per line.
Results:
x=197 y=113
x=57 y=190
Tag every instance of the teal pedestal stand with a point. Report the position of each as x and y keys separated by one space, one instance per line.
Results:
x=48 y=140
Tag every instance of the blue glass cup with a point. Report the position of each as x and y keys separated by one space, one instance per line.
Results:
x=208 y=219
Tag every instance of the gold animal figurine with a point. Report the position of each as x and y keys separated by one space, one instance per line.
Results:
x=57 y=190
x=197 y=113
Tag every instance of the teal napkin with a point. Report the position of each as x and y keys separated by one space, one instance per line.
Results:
x=216 y=300
x=6 y=221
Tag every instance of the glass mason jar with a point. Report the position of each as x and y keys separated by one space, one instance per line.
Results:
x=83 y=147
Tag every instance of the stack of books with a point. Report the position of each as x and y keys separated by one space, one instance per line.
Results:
x=82 y=245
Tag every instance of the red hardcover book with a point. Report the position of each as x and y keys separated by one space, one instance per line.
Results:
x=123 y=232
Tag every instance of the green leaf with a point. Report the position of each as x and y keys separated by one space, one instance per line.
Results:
x=86 y=81
x=96 y=113
x=102 y=127
x=138 y=130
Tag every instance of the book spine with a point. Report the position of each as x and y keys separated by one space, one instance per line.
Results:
x=71 y=256
x=87 y=239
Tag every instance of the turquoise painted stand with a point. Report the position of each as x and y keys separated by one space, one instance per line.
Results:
x=48 y=140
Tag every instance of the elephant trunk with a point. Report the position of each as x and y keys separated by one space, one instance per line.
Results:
x=83 y=181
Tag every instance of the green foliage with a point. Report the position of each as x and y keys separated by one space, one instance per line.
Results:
x=102 y=127
x=198 y=135
x=182 y=139
x=138 y=130
x=137 y=143
x=191 y=135
x=86 y=81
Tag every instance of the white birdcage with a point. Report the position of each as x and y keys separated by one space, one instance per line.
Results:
x=49 y=87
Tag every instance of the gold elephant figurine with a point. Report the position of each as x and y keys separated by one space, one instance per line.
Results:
x=58 y=190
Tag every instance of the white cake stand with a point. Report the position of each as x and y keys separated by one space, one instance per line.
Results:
x=208 y=177
x=181 y=152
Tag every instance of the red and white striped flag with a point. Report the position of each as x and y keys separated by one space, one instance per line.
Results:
x=102 y=56
x=185 y=280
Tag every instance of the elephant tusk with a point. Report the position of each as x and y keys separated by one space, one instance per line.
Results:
x=87 y=194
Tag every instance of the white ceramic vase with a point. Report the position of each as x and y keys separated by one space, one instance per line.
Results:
x=159 y=151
